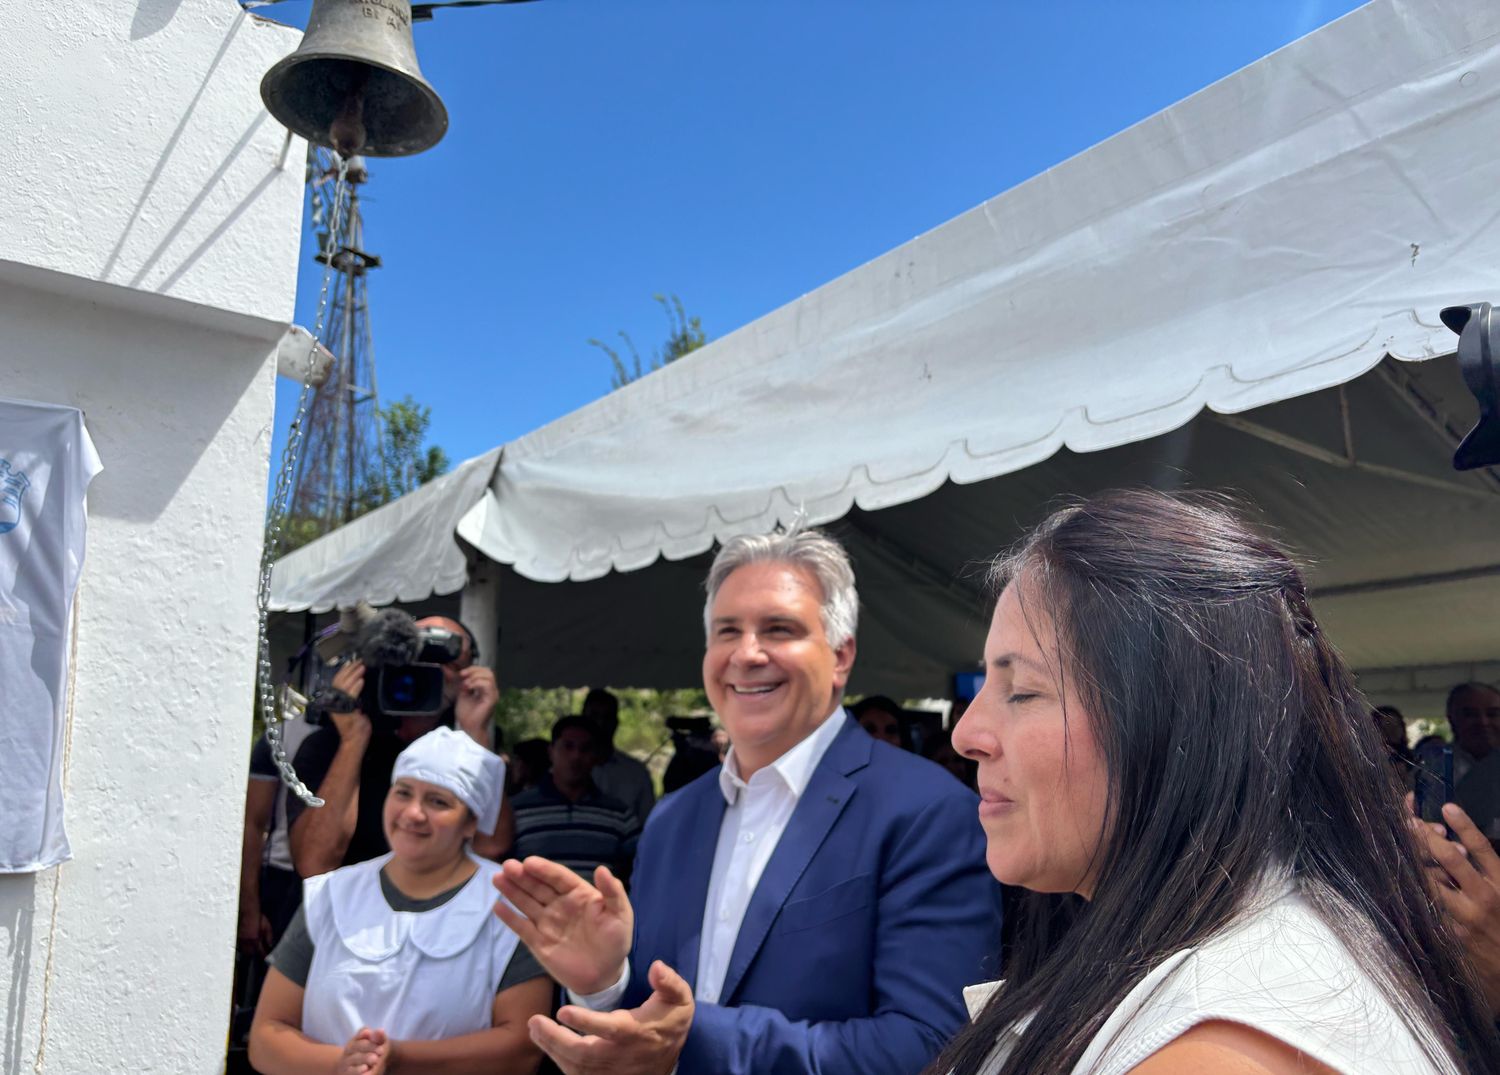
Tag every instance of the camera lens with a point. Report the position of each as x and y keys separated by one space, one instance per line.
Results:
x=402 y=688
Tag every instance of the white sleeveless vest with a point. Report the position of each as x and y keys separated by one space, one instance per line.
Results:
x=416 y=975
x=1280 y=970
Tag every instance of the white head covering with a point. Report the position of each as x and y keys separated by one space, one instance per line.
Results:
x=450 y=759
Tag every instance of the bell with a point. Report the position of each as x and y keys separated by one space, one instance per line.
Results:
x=353 y=84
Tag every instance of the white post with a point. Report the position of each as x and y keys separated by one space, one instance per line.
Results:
x=479 y=607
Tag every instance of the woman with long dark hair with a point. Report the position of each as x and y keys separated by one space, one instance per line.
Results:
x=1176 y=764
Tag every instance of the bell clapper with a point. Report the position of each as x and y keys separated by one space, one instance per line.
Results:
x=347 y=131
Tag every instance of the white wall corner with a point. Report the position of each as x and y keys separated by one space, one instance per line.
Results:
x=150 y=215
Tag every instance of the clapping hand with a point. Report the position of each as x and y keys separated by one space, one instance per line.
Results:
x=367 y=1053
x=579 y=932
x=642 y=1041
x=1464 y=877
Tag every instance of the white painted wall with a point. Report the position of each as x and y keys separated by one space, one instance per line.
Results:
x=149 y=222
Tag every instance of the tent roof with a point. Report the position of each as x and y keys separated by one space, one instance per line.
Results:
x=1404 y=573
x=401 y=551
x=1269 y=238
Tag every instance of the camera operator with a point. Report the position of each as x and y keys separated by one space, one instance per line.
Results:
x=349 y=760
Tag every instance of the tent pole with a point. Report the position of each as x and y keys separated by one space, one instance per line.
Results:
x=479 y=608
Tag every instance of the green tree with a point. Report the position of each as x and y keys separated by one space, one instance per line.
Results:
x=684 y=336
x=409 y=462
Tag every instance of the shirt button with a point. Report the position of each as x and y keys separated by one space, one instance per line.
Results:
x=723 y=916
x=749 y=837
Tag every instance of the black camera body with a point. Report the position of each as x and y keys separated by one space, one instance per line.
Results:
x=415 y=687
x=403 y=667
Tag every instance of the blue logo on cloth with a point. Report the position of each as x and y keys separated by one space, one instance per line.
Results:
x=13 y=486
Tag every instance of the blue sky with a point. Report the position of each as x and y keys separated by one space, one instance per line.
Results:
x=738 y=154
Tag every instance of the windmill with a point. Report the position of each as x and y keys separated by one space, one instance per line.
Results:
x=341 y=469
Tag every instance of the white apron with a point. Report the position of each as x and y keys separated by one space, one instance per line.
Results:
x=416 y=975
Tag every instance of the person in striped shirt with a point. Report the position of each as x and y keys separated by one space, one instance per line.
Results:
x=566 y=818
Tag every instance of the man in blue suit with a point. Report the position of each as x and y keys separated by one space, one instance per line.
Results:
x=824 y=896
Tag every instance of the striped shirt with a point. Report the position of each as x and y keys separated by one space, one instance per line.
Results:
x=581 y=835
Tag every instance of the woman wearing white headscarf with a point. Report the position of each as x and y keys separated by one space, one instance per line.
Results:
x=398 y=964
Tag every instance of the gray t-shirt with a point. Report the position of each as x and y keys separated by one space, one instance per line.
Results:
x=294 y=953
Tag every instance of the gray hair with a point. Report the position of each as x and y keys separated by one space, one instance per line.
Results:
x=812 y=550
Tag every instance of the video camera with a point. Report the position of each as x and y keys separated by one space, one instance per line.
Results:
x=403 y=667
x=693 y=751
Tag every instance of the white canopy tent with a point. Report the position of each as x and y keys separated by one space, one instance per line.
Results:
x=1240 y=292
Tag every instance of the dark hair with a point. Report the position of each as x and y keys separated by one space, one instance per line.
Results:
x=878 y=702
x=1237 y=748
x=533 y=754
x=563 y=724
x=600 y=696
x=1463 y=688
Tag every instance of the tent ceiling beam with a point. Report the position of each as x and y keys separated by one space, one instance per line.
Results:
x=1401 y=382
x=1467 y=574
x=965 y=595
x=1323 y=455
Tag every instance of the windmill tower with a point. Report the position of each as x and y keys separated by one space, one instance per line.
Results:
x=342 y=466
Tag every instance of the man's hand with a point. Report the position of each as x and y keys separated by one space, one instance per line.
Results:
x=367 y=1053
x=254 y=937
x=474 y=708
x=643 y=1041
x=354 y=727
x=579 y=932
x=1465 y=878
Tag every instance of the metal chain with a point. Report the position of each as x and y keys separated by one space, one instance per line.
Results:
x=280 y=500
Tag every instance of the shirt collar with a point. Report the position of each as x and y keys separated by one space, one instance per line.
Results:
x=548 y=789
x=795 y=767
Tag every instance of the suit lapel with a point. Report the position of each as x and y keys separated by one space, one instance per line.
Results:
x=701 y=830
x=825 y=798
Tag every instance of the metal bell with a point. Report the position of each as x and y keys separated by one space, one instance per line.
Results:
x=353 y=84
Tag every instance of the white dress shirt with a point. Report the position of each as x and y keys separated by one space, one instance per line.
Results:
x=755 y=817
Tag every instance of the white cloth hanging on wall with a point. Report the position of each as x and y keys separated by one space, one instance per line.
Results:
x=46 y=463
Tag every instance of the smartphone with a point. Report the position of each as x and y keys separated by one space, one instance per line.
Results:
x=1433 y=789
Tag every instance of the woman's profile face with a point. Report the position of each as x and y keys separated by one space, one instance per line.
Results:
x=1042 y=781
x=425 y=823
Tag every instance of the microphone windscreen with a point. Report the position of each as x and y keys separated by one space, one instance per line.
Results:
x=391 y=638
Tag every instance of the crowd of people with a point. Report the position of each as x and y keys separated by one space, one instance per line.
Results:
x=1203 y=841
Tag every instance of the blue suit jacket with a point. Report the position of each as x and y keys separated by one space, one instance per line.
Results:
x=874 y=912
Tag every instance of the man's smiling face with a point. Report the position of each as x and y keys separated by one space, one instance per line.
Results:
x=769 y=670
